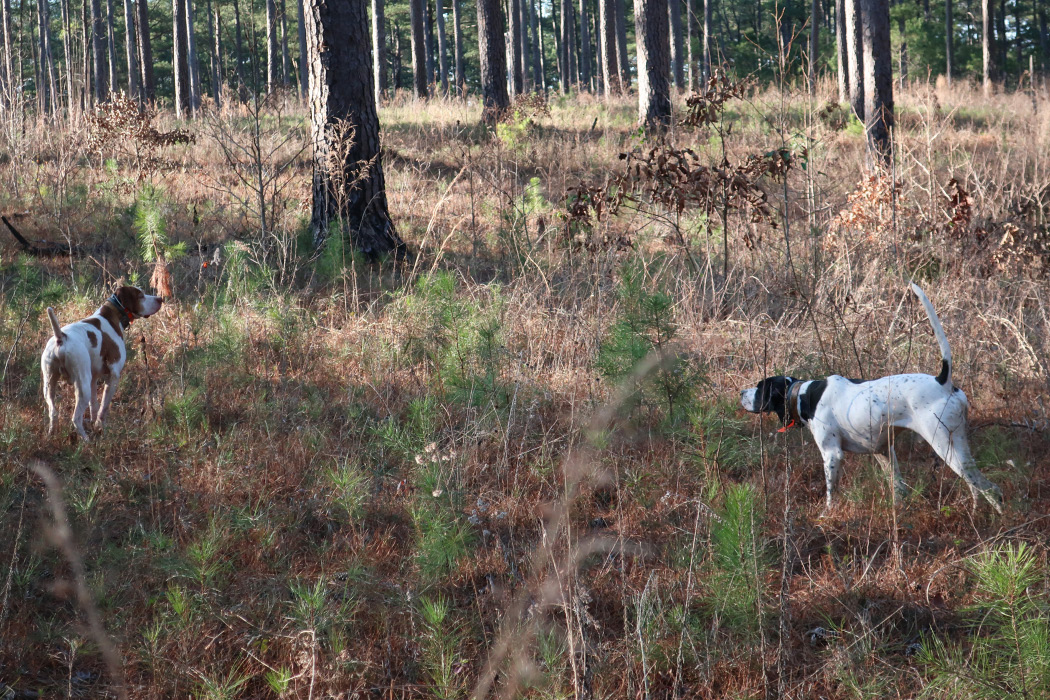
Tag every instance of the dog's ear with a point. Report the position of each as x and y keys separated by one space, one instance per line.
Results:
x=772 y=396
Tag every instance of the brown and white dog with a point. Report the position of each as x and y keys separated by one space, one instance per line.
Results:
x=87 y=351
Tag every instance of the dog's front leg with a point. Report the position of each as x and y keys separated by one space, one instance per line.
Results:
x=107 y=397
x=832 y=455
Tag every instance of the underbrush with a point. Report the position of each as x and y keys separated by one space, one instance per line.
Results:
x=519 y=462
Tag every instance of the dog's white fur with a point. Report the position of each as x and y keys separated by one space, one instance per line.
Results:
x=859 y=418
x=92 y=350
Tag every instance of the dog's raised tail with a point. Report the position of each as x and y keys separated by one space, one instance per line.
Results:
x=945 y=377
x=57 y=329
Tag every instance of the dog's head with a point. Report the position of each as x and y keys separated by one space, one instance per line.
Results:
x=136 y=302
x=768 y=396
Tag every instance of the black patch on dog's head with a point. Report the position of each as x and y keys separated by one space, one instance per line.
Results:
x=946 y=369
x=807 y=402
x=771 y=396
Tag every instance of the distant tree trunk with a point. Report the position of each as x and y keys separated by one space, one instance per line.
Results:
x=706 y=38
x=379 y=49
x=214 y=26
x=537 y=47
x=419 y=48
x=87 y=33
x=841 y=49
x=855 y=56
x=654 y=63
x=192 y=64
x=5 y=36
x=542 y=46
x=149 y=83
x=903 y=68
x=286 y=72
x=397 y=59
x=213 y=66
x=814 y=45
x=607 y=39
x=239 y=58
x=878 y=80
x=461 y=78
x=304 y=60
x=987 y=9
x=565 y=45
x=623 y=58
x=67 y=50
x=129 y=50
x=1044 y=36
x=272 y=49
x=1000 y=42
x=428 y=39
x=949 y=31
x=526 y=45
x=514 y=34
x=180 y=66
x=46 y=86
x=348 y=182
x=111 y=46
x=585 y=47
x=674 y=8
x=98 y=44
x=442 y=45
x=493 y=60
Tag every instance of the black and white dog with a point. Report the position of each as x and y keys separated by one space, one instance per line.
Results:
x=847 y=415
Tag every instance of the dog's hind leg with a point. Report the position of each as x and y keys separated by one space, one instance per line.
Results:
x=954 y=449
x=50 y=396
x=82 y=386
x=890 y=465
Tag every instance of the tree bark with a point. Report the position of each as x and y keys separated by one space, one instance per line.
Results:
x=47 y=86
x=461 y=79
x=902 y=70
x=111 y=46
x=192 y=64
x=537 y=47
x=419 y=48
x=652 y=36
x=878 y=80
x=493 y=51
x=98 y=44
x=585 y=47
x=214 y=26
x=272 y=49
x=180 y=66
x=149 y=83
x=348 y=184
x=428 y=44
x=67 y=50
x=379 y=49
x=286 y=72
x=607 y=38
x=949 y=30
x=855 y=58
x=814 y=45
x=706 y=38
x=514 y=33
x=841 y=49
x=239 y=58
x=442 y=45
x=623 y=60
x=988 y=63
x=564 y=64
x=674 y=8
x=130 y=47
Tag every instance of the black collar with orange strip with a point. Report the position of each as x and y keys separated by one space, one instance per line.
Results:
x=791 y=409
x=120 y=307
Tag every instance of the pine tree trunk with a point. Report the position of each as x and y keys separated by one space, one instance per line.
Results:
x=379 y=49
x=87 y=99
x=67 y=50
x=419 y=48
x=706 y=38
x=461 y=79
x=537 y=47
x=130 y=46
x=903 y=69
x=286 y=73
x=987 y=10
x=180 y=66
x=192 y=64
x=214 y=27
x=273 y=68
x=111 y=46
x=585 y=47
x=949 y=31
x=442 y=46
x=693 y=76
x=304 y=61
x=514 y=46
x=493 y=54
x=840 y=49
x=428 y=44
x=149 y=84
x=878 y=80
x=622 y=58
x=674 y=8
x=98 y=44
x=7 y=69
x=542 y=47
x=654 y=63
x=239 y=58
x=855 y=56
x=526 y=45
x=814 y=45
x=46 y=86
x=342 y=106
x=564 y=63
x=607 y=39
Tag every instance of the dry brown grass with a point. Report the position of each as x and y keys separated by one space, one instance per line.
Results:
x=208 y=508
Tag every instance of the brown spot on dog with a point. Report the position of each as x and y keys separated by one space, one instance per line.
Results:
x=94 y=322
x=109 y=353
x=92 y=339
x=115 y=317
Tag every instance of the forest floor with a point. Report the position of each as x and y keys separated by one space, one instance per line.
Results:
x=515 y=465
